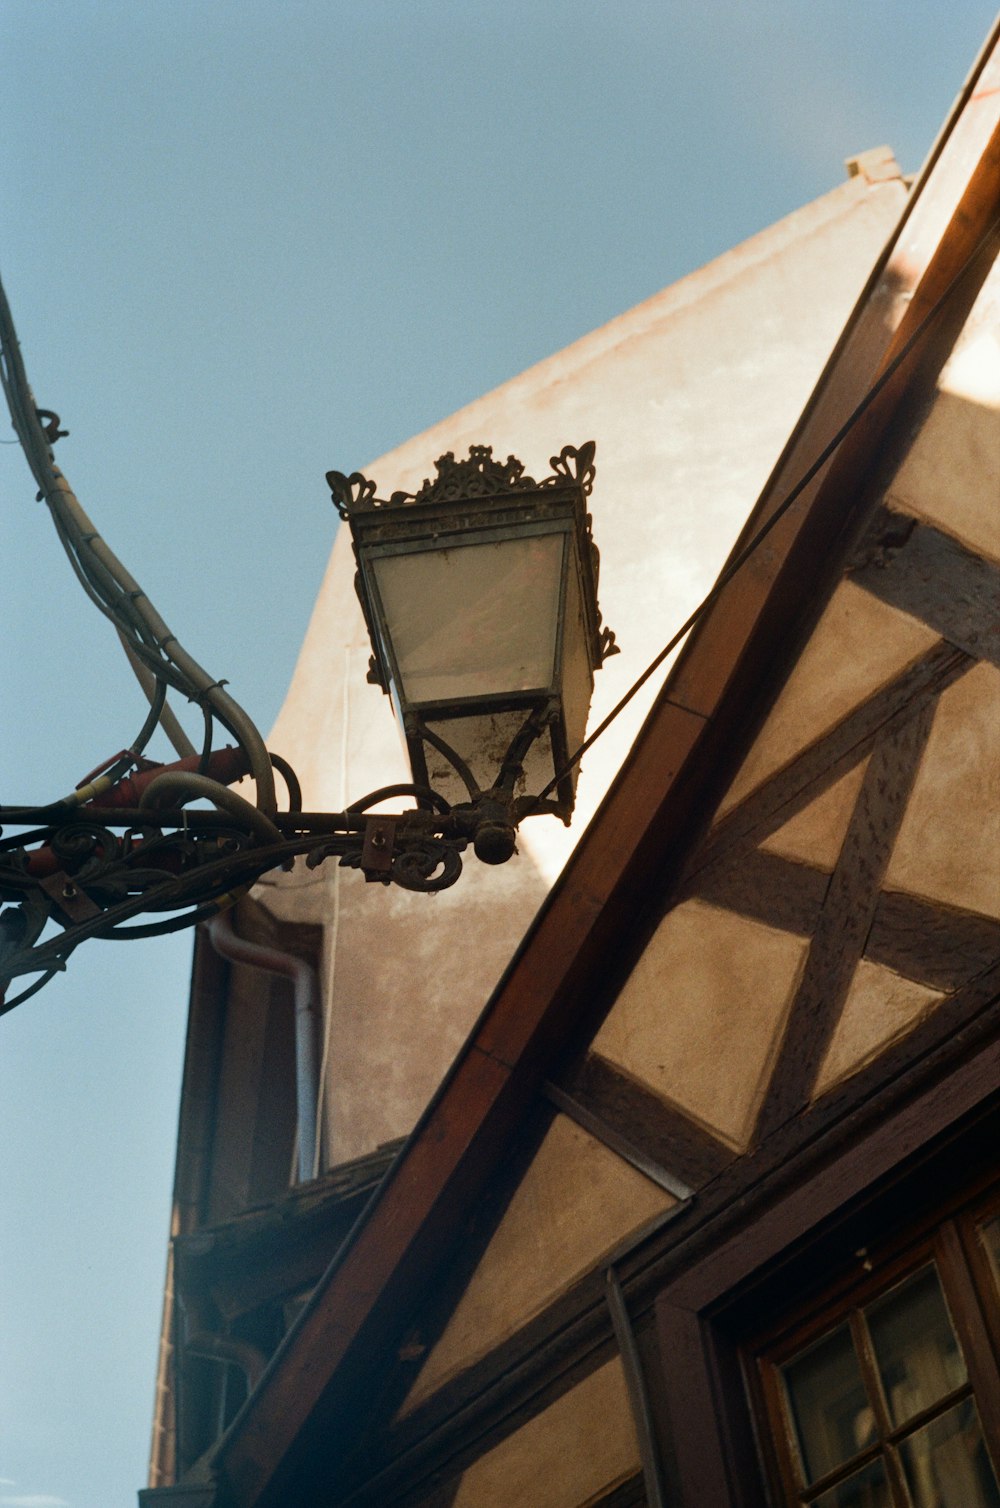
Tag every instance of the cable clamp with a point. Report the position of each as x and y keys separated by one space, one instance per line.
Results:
x=201 y=696
x=124 y=756
x=50 y=425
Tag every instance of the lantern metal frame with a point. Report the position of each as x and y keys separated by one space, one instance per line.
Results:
x=481 y=501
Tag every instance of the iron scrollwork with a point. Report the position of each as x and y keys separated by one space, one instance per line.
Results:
x=73 y=874
x=476 y=477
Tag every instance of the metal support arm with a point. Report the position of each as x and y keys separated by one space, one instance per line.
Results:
x=74 y=872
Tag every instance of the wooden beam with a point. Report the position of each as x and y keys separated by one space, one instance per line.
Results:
x=623 y=1110
x=805 y=777
x=937 y=945
x=928 y=574
x=838 y=942
x=624 y=1148
x=941 y=946
x=768 y=888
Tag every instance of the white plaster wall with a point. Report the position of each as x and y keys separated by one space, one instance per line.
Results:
x=690 y=398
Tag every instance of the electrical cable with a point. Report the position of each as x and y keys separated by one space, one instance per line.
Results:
x=744 y=555
x=174 y=897
x=199 y=685
x=185 y=785
x=179 y=740
x=291 y=780
x=39 y=984
x=145 y=654
x=157 y=710
x=206 y=743
x=107 y=581
x=123 y=932
x=401 y=788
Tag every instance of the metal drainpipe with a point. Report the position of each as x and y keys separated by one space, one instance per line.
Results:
x=238 y=1353
x=303 y=977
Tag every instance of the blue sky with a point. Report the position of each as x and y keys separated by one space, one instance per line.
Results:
x=245 y=243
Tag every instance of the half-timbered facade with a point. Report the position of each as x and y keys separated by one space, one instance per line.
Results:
x=707 y=1210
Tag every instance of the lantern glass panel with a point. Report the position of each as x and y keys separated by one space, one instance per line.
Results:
x=482 y=741
x=473 y=620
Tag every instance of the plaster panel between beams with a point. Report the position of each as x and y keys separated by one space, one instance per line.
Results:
x=951 y=473
x=858 y=646
x=701 y=1014
x=948 y=847
x=581 y=1445
x=816 y=834
x=576 y=1202
x=881 y=1007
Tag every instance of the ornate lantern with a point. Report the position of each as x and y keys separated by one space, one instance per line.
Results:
x=480 y=596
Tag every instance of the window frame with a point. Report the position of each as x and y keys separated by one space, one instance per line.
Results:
x=880 y=1177
x=875 y=1272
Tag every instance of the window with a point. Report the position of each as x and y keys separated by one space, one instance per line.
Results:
x=888 y=1394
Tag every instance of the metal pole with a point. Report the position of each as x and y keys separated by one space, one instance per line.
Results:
x=649 y=1456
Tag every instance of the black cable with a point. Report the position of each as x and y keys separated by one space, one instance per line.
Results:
x=123 y=933
x=291 y=780
x=152 y=719
x=744 y=555
x=206 y=747
x=8 y=1005
x=402 y=788
x=36 y=835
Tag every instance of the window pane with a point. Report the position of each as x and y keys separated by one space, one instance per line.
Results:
x=946 y=1462
x=918 y=1355
x=865 y=1489
x=828 y=1405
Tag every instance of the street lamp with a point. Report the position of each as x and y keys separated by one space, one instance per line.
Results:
x=480 y=596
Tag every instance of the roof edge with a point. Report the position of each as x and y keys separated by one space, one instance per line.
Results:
x=667 y=775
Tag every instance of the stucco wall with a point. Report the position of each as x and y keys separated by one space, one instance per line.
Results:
x=582 y=1445
x=690 y=397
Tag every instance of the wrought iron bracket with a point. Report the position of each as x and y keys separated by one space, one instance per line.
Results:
x=71 y=873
